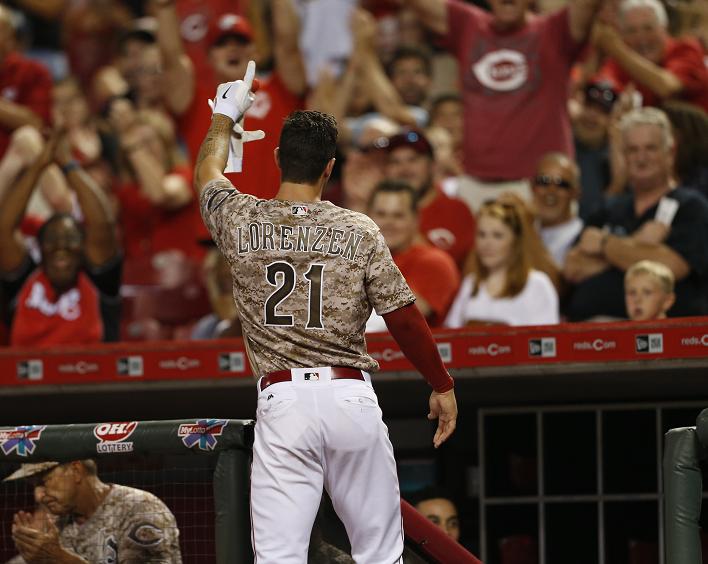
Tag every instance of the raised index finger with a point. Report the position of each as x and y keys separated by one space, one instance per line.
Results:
x=250 y=74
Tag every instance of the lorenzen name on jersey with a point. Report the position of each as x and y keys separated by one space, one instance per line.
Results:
x=299 y=239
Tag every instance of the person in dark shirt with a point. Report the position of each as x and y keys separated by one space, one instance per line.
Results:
x=72 y=295
x=655 y=221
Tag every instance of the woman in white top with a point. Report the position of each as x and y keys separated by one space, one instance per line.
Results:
x=502 y=287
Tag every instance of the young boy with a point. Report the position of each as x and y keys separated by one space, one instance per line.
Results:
x=648 y=290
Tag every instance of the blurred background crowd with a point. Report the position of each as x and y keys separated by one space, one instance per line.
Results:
x=528 y=162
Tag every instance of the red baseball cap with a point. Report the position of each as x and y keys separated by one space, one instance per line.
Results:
x=228 y=25
x=413 y=138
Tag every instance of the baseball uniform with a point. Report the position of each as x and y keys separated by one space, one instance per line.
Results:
x=131 y=526
x=306 y=276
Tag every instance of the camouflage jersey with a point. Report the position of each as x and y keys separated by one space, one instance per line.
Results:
x=305 y=277
x=131 y=526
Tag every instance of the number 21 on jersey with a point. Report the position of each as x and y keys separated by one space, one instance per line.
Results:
x=283 y=276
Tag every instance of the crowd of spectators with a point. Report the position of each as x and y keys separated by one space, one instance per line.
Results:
x=519 y=157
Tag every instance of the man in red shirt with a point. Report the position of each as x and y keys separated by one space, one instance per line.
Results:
x=515 y=72
x=231 y=47
x=25 y=86
x=430 y=272
x=644 y=53
x=445 y=222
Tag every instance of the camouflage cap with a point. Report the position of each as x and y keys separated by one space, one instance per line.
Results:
x=31 y=469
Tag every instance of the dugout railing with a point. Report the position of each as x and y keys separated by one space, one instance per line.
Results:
x=685 y=449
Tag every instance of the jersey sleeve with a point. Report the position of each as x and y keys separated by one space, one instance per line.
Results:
x=386 y=288
x=150 y=534
x=221 y=206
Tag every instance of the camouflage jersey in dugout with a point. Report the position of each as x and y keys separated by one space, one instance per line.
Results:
x=131 y=526
x=306 y=276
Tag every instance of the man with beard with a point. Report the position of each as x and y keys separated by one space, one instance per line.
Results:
x=445 y=222
x=72 y=295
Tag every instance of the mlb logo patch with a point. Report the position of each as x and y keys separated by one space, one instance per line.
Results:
x=311 y=376
x=300 y=210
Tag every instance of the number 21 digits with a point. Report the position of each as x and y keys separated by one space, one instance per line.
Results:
x=284 y=286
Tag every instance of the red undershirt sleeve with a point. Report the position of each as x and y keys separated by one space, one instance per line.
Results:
x=407 y=325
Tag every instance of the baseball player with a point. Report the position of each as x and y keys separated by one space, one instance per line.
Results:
x=306 y=276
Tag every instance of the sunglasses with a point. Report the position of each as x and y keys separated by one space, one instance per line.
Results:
x=547 y=180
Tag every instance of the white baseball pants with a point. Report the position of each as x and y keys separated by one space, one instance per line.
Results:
x=319 y=433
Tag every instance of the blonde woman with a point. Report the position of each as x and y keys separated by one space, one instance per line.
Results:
x=502 y=286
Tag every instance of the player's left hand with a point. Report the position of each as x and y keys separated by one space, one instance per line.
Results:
x=234 y=98
x=443 y=407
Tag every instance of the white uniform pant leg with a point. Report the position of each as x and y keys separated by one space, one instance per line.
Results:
x=286 y=476
x=360 y=473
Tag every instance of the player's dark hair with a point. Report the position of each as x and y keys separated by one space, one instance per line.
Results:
x=308 y=142
x=411 y=52
x=395 y=187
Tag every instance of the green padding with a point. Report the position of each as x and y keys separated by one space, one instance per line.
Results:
x=702 y=431
x=71 y=442
x=682 y=496
x=231 y=506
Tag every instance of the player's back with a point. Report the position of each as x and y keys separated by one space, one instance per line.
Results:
x=306 y=276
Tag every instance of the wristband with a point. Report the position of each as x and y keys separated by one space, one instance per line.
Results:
x=71 y=165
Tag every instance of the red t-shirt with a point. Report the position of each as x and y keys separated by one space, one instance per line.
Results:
x=43 y=318
x=515 y=90
x=194 y=19
x=432 y=275
x=684 y=58
x=448 y=224
x=148 y=229
x=26 y=82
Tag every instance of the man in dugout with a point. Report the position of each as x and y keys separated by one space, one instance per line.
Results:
x=84 y=520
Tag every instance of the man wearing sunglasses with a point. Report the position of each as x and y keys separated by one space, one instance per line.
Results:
x=556 y=189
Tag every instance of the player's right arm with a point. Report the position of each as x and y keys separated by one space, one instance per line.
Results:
x=432 y=13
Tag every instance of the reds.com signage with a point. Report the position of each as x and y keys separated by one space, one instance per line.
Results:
x=464 y=348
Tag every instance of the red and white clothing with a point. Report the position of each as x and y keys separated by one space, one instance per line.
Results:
x=273 y=103
x=448 y=224
x=515 y=90
x=684 y=58
x=148 y=229
x=86 y=314
x=25 y=82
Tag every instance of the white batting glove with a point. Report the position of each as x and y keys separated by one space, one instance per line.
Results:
x=238 y=138
x=234 y=98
